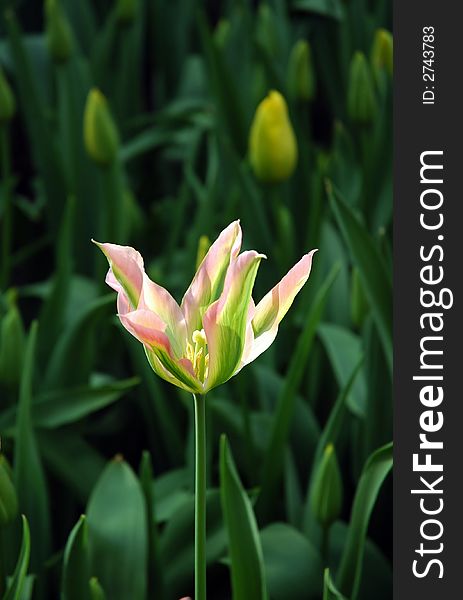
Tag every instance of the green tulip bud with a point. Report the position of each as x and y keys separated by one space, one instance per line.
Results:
x=7 y=101
x=266 y=31
x=326 y=493
x=12 y=344
x=203 y=246
x=58 y=32
x=382 y=57
x=361 y=98
x=101 y=137
x=96 y=591
x=301 y=78
x=359 y=303
x=8 y=497
x=272 y=143
x=222 y=33
x=126 y=11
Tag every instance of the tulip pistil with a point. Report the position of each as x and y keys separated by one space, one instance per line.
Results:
x=198 y=354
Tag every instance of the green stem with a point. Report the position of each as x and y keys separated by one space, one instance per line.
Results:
x=7 y=227
x=200 y=497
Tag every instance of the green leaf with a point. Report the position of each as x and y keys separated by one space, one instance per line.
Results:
x=61 y=407
x=57 y=408
x=344 y=350
x=17 y=581
x=72 y=459
x=71 y=360
x=155 y=571
x=274 y=456
x=116 y=517
x=377 y=579
x=76 y=568
x=329 y=435
x=373 y=273
x=330 y=592
x=292 y=564
x=247 y=569
x=29 y=475
x=376 y=468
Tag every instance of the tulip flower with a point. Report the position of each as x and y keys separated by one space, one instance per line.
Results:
x=272 y=143
x=217 y=329
x=201 y=343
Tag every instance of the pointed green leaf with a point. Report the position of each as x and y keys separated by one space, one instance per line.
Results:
x=76 y=571
x=330 y=592
x=61 y=407
x=155 y=571
x=29 y=475
x=274 y=457
x=375 y=279
x=376 y=468
x=17 y=581
x=72 y=357
x=329 y=435
x=344 y=350
x=116 y=517
x=247 y=568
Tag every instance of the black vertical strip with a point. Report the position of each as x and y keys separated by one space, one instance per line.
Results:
x=422 y=128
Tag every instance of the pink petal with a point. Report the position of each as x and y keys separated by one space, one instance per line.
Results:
x=158 y=300
x=207 y=282
x=274 y=305
x=126 y=270
x=147 y=327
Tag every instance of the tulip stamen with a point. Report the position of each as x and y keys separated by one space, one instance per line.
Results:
x=198 y=354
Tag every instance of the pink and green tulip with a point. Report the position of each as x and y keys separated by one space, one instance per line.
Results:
x=217 y=329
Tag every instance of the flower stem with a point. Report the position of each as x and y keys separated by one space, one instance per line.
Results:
x=200 y=497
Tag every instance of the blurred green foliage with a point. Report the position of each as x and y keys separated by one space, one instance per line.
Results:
x=182 y=81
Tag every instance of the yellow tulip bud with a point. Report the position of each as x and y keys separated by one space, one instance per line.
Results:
x=326 y=493
x=272 y=143
x=101 y=137
x=301 y=79
x=361 y=98
x=382 y=52
x=126 y=11
x=8 y=498
x=58 y=32
x=7 y=101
